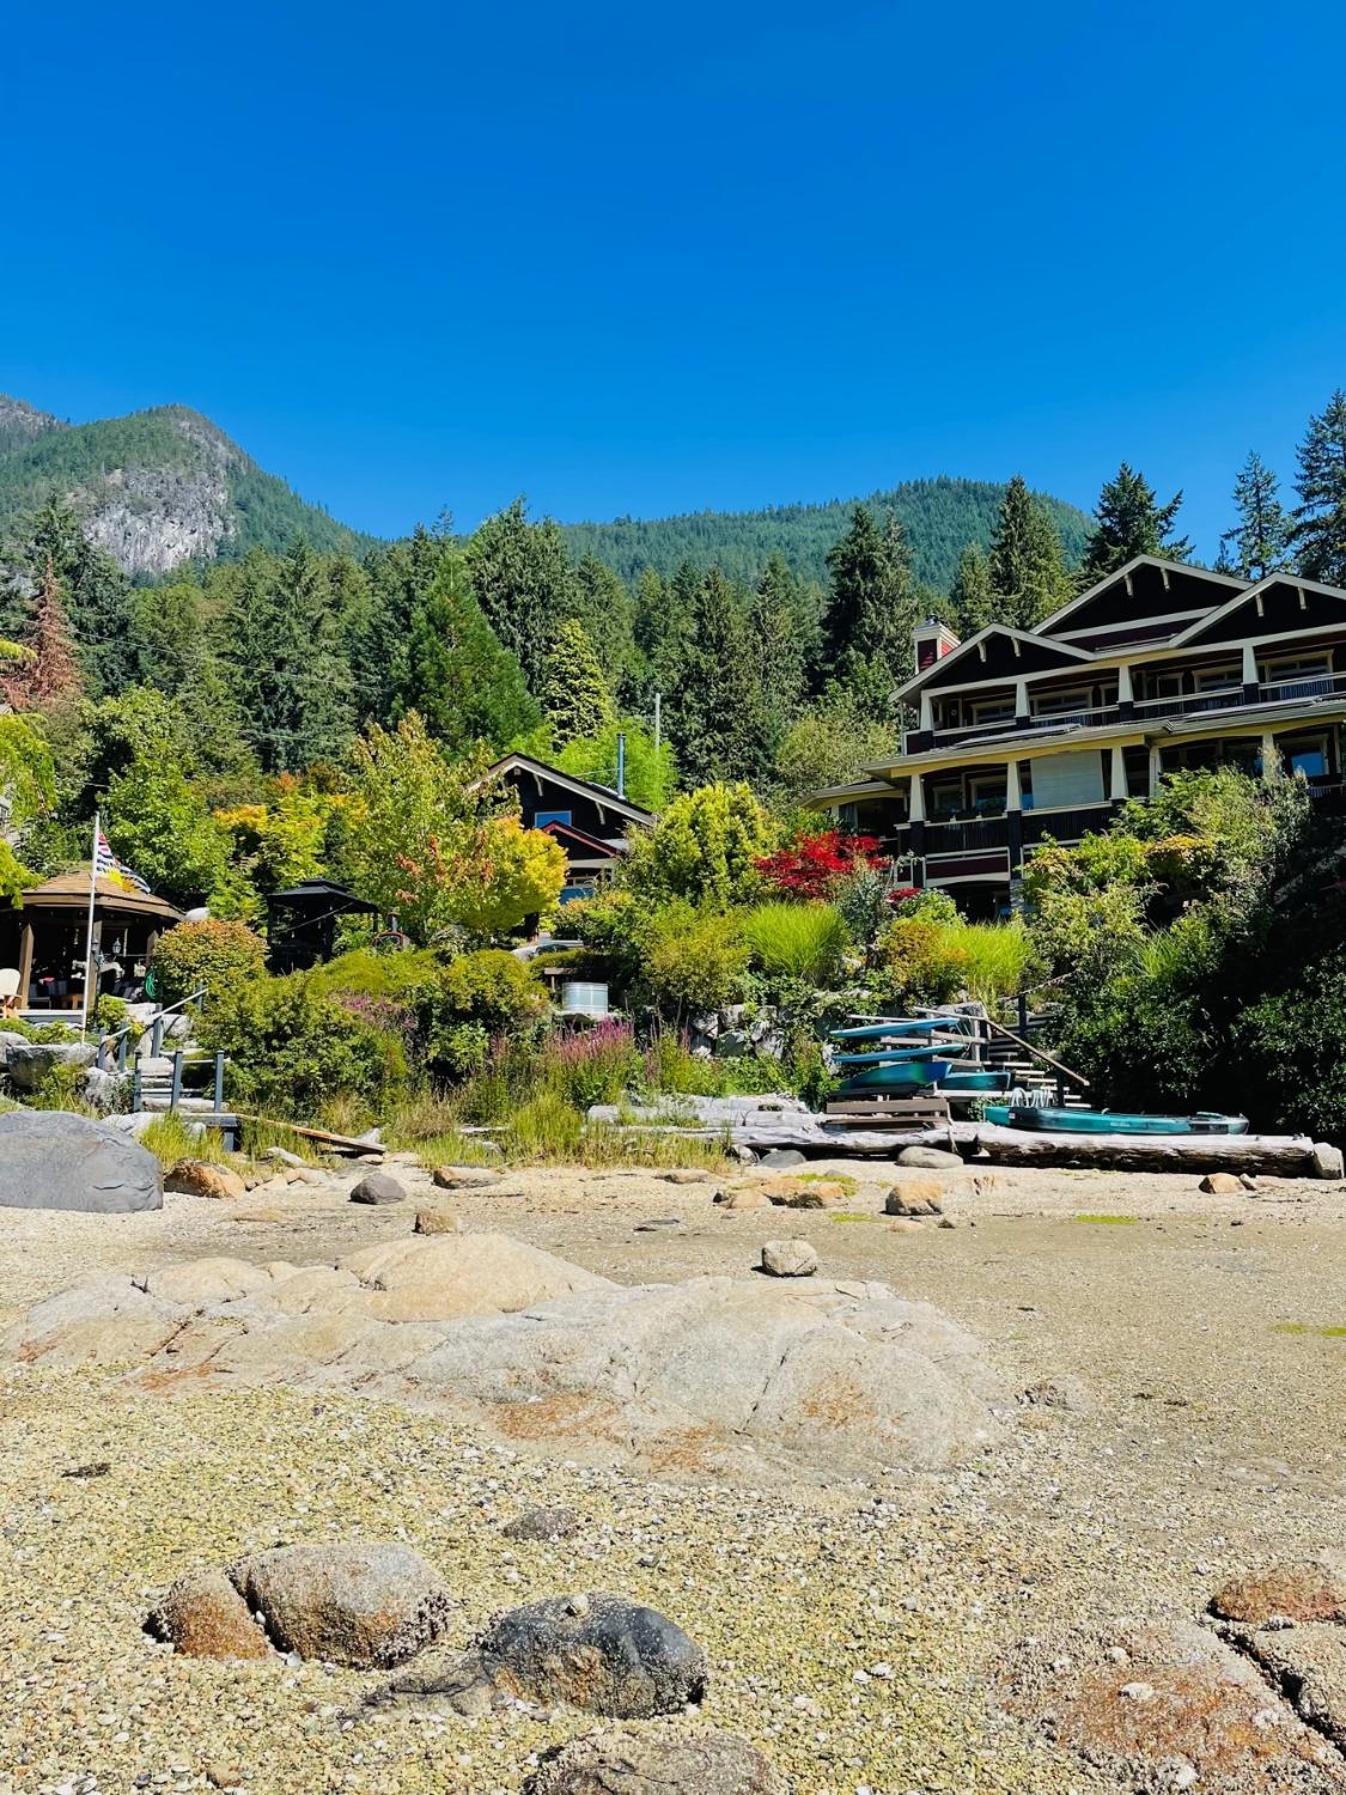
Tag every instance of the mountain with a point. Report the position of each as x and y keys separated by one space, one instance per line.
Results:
x=163 y=487
x=941 y=517
x=156 y=488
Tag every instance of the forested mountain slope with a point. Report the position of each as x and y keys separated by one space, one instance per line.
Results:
x=156 y=488
x=941 y=517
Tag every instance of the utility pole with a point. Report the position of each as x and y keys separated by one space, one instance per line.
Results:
x=658 y=720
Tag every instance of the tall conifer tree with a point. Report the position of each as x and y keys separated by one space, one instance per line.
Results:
x=1027 y=573
x=1259 y=539
x=461 y=679
x=576 y=698
x=1319 y=534
x=718 y=704
x=872 y=610
x=1129 y=522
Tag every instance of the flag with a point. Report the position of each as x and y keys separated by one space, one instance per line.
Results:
x=105 y=861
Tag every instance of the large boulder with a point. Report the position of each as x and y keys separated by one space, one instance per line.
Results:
x=672 y=1761
x=28 y=1062
x=204 y=1616
x=377 y=1189
x=52 y=1160
x=599 y=1653
x=365 y=1606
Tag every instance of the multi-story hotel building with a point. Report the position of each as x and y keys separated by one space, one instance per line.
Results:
x=1023 y=734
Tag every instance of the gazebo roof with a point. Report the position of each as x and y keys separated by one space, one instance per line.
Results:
x=312 y=892
x=70 y=891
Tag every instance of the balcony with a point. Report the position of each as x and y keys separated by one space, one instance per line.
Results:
x=964 y=837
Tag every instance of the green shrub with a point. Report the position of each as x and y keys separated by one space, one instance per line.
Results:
x=475 y=999
x=598 y=1065
x=936 y=962
x=171 y=1137
x=217 y=955
x=705 y=848
x=293 y=1049
x=693 y=959
x=366 y=973
x=547 y=1127
x=803 y=941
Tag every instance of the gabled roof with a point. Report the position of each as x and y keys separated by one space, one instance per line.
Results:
x=942 y=665
x=567 y=832
x=1226 y=581
x=586 y=788
x=1250 y=595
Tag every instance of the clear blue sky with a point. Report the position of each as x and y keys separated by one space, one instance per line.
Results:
x=642 y=259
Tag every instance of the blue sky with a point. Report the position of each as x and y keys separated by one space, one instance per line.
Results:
x=643 y=259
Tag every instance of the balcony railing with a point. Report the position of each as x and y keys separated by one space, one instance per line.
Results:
x=963 y=837
x=1190 y=704
x=1317 y=685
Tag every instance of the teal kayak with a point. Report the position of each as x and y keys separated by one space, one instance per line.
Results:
x=882 y=1031
x=906 y=1075
x=1106 y=1121
x=891 y=1056
x=975 y=1081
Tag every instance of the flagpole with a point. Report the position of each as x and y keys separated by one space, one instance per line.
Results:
x=88 y=938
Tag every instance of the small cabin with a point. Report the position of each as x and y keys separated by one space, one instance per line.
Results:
x=592 y=822
x=44 y=936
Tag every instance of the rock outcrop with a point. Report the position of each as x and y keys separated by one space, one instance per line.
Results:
x=809 y=1371
x=52 y=1160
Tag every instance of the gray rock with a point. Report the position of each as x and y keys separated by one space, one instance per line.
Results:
x=28 y=1063
x=744 y=1155
x=135 y=1125
x=782 y=1159
x=9 y=1038
x=106 y=1091
x=52 y=1160
x=464 y=1177
x=282 y=1156
x=732 y=1044
x=1327 y=1161
x=378 y=1188
x=673 y=1761
x=789 y=1258
x=930 y=1159
x=599 y=1653
x=365 y=1606
x=543 y=1524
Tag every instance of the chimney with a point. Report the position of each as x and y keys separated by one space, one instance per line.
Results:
x=932 y=640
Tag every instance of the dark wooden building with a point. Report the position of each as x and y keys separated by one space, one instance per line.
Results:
x=591 y=822
x=44 y=936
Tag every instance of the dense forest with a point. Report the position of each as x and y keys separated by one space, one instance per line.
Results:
x=209 y=713
x=940 y=517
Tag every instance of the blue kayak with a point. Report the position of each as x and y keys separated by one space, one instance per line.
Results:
x=987 y=1080
x=882 y=1031
x=891 y=1056
x=1107 y=1121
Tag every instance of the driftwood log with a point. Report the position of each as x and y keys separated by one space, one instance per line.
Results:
x=1284 y=1155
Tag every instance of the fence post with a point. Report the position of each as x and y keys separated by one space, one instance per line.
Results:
x=123 y=1048
x=1022 y=1001
x=219 y=1082
x=175 y=1094
x=157 y=1037
x=135 y=1088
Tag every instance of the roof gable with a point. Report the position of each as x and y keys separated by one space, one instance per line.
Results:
x=588 y=788
x=1147 y=586
x=996 y=652
x=1279 y=602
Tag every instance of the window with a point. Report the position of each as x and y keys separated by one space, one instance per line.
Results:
x=992 y=710
x=1308 y=757
x=986 y=793
x=1061 y=704
x=1217 y=679
x=542 y=817
x=1066 y=781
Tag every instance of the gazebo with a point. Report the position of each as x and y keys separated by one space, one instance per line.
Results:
x=44 y=933
x=301 y=922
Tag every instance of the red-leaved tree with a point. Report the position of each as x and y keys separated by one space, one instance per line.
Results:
x=813 y=866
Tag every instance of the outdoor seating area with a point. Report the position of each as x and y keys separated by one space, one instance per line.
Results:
x=43 y=938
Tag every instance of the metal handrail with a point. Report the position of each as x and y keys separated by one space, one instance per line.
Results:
x=122 y=1035
x=1037 y=1053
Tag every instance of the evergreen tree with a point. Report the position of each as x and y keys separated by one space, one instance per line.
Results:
x=575 y=696
x=663 y=626
x=457 y=675
x=872 y=610
x=1129 y=522
x=1319 y=533
x=1260 y=537
x=376 y=630
x=291 y=683
x=782 y=629
x=1027 y=573
x=717 y=708
x=972 y=597
x=605 y=608
x=47 y=676
x=96 y=594
x=523 y=580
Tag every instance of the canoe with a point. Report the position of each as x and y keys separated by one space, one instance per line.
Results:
x=882 y=1031
x=975 y=1081
x=1105 y=1121
x=906 y=1075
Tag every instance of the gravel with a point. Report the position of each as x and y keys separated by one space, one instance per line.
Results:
x=854 y=1631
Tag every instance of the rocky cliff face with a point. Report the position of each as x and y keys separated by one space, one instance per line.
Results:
x=156 y=489
x=151 y=519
